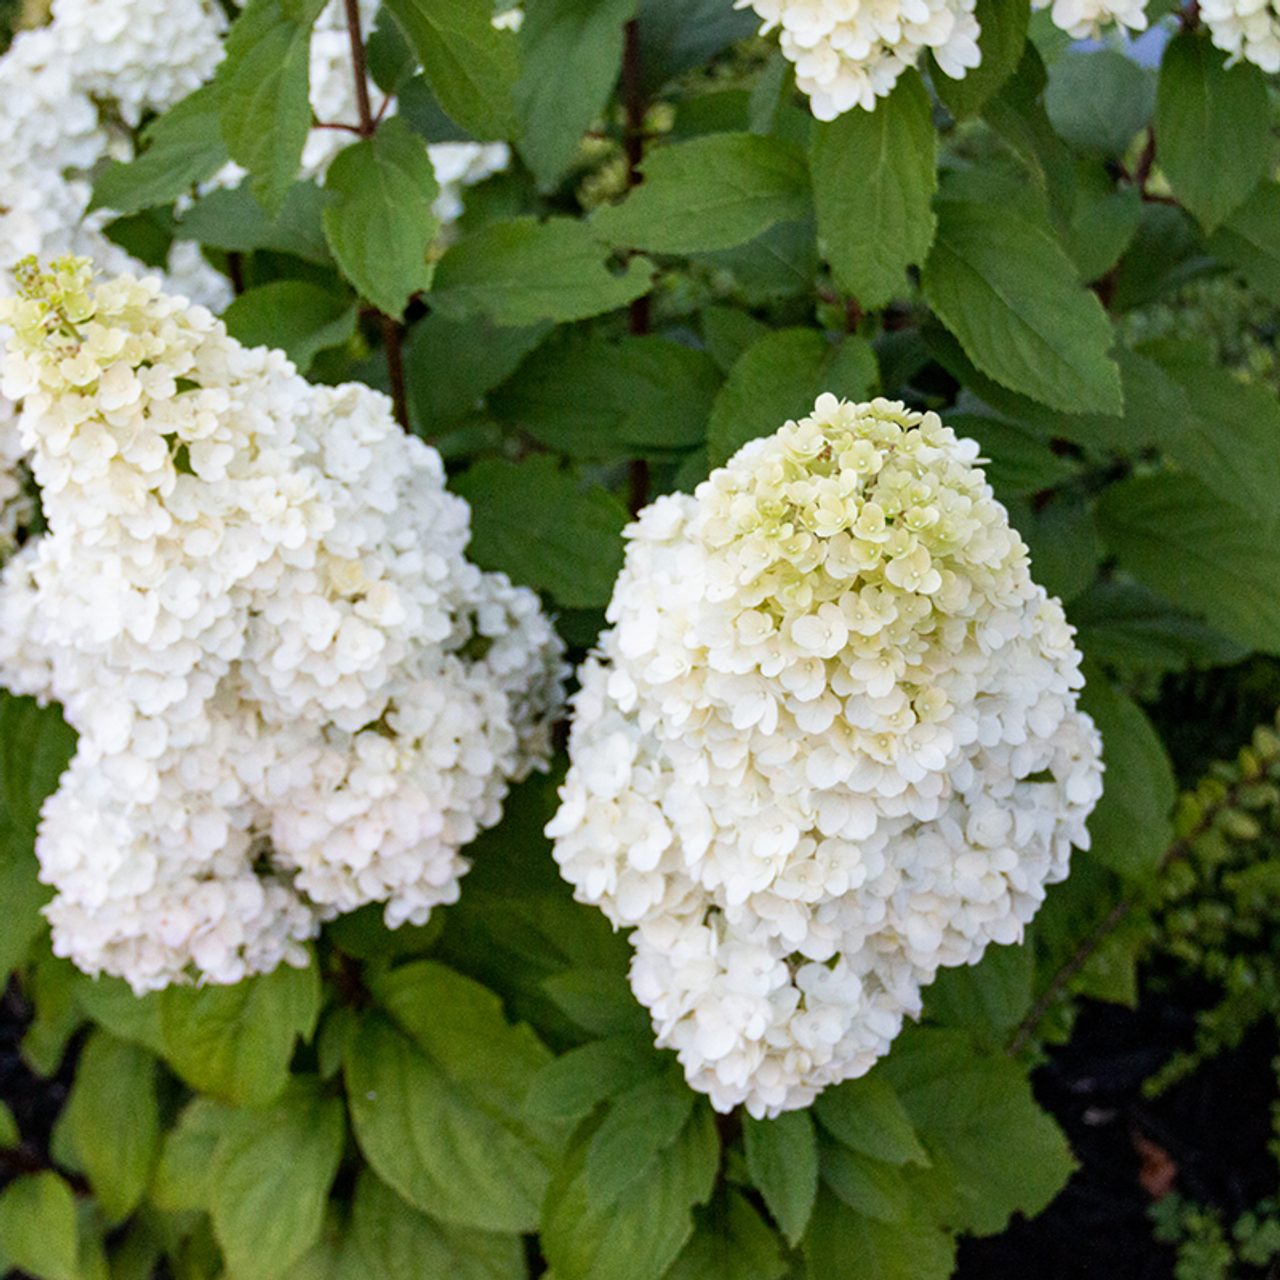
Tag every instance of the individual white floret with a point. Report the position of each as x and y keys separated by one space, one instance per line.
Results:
x=1085 y=19
x=848 y=53
x=1245 y=29
x=830 y=744
x=254 y=606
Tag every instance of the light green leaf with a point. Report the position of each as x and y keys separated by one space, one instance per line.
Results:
x=273 y=1169
x=443 y=1148
x=184 y=1176
x=230 y=218
x=113 y=1119
x=598 y=1000
x=874 y=174
x=1213 y=127
x=295 y=315
x=110 y=1002
x=261 y=89
x=712 y=192
x=381 y=225
x=845 y=1245
x=1131 y=827
x=641 y=1123
x=471 y=65
x=535 y=523
x=235 y=1043
x=1181 y=539
x=782 y=1158
x=589 y=397
x=865 y=1114
x=571 y=50
x=1002 y=39
x=1250 y=239
x=183 y=147
x=1003 y=285
x=730 y=1242
x=1098 y=101
x=778 y=378
x=872 y=1187
x=570 y=1087
x=38 y=1227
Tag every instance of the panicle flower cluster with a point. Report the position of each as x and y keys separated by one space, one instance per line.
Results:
x=1248 y=29
x=848 y=53
x=830 y=744
x=294 y=694
x=1084 y=19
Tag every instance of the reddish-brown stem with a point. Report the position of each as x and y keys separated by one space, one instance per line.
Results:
x=633 y=141
x=392 y=333
x=235 y=269
x=333 y=124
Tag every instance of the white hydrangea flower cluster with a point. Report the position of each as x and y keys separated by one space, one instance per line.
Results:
x=294 y=694
x=1248 y=29
x=1084 y=19
x=848 y=53
x=830 y=744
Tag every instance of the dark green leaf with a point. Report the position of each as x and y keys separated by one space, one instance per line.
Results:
x=728 y=332
x=597 y=1000
x=730 y=1243
x=874 y=175
x=183 y=148
x=1167 y=251
x=381 y=225
x=679 y=35
x=299 y=317
x=866 y=1115
x=571 y=50
x=1213 y=127
x=781 y=263
x=1103 y=223
x=1003 y=37
x=1098 y=101
x=535 y=523
x=522 y=271
x=9 y=1135
x=1250 y=239
x=272 y=1177
x=985 y=999
x=571 y=1087
x=845 y=1245
x=470 y=65
x=709 y=193
x=642 y=1122
x=1020 y=461
x=871 y=1187
x=38 y=1227
x=782 y=1157
x=1060 y=534
x=231 y=219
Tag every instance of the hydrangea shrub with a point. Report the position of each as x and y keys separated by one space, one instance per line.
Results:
x=732 y=493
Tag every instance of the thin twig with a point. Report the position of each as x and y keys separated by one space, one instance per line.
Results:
x=359 y=69
x=633 y=142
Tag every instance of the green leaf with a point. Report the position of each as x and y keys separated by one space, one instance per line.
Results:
x=778 y=379
x=110 y=1002
x=273 y=1169
x=866 y=1115
x=986 y=999
x=445 y=1150
x=9 y=1135
x=571 y=50
x=713 y=192
x=229 y=218
x=295 y=315
x=184 y=1176
x=1104 y=221
x=470 y=65
x=1001 y=42
x=1063 y=541
x=782 y=1158
x=589 y=397
x=872 y=1187
x=1098 y=101
x=1213 y=127
x=1019 y=461
x=843 y=1244
x=597 y=1000
x=1003 y=285
x=183 y=147
x=642 y=1122
x=981 y=1126
x=381 y=225
x=682 y=34
x=113 y=1119
x=730 y=1242
x=1131 y=827
x=261 y=88
x=534 y=522
x=522 y=271
x=727 y=332
x=1181 y=539
x=570 y=1087
x=235 y=1043
x=1167 y=252
x=638 y=1235
x=478 y=356
x=1250 y=239
x=38 y=1227
x=781 y=263
x=390 y=1240
x=874 y=174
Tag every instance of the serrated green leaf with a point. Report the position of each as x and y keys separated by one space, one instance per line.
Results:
x=1181 y=539
x=1250 y=239
x=184 y=1174
x=471 y=65
x=38 y=1227
x=230 y=218
x=299 y=317
x=273 y=1169
x=1131 y=827
x=874 y=175
x=570 y=1087
x=261 y=88
x=866 y=1115
x=1098 y=101
x=183 y=147
x=235 y=1043
x=532 y=521
x=1002 y=38
x=428 y=1136
x=713 y=192
x=638 y=1235
x=778 y=378
x=782 y=1158
x=730 y=1242
x=589 y=397
x=843 y=1244
x=114 y=1121
x=1003 y=285
x=380 y=226
x=1213 y=127
x=570 y=51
